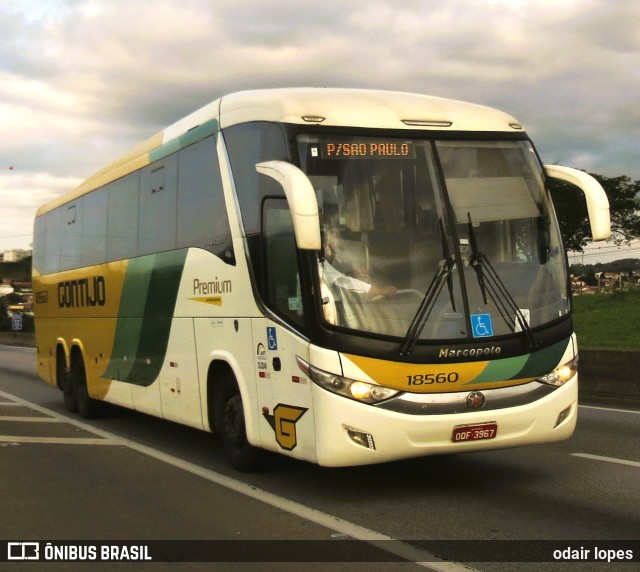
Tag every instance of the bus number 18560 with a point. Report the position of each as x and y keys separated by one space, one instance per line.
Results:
x=429 y=378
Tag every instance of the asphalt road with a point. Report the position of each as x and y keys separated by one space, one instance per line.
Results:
x=129 y=476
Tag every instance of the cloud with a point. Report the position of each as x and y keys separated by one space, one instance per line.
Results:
x=20 y=196
x=83 y=81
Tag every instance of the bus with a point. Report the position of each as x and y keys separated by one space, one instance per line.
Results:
x=342 y=276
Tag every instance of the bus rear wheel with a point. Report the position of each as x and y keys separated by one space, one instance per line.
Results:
x=241 y=454
x=86 y=405
x=64 y=383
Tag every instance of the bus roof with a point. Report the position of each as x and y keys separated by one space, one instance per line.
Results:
x=326 y=106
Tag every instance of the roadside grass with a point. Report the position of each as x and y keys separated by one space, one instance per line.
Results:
x=608 y=321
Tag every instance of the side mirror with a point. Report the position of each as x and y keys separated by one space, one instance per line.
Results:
x=597 y=202
x=301 y=197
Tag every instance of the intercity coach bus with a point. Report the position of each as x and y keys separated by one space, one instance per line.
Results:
x=342 y=276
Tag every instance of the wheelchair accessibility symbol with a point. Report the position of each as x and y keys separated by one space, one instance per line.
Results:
x=481 y=325
x=272 y=338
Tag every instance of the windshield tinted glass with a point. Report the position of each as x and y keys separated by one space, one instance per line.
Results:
x=497 y=198
x=395 y=220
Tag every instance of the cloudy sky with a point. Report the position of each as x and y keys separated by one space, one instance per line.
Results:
x=82 y=81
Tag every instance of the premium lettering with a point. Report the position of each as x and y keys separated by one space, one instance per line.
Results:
x=206 y=288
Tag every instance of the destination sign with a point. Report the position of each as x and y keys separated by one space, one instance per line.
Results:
x=364 y=149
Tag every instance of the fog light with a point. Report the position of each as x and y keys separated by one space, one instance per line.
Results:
x=563 y=415
x=361 y=438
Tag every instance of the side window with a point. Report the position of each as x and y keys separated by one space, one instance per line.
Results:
x=39 y=243
x=281 y=277
x=52 y=240
x=158 y=201
x=93 y=249
x=122 y=226
x=71 y=234
x=202 y=213
x=247 y=145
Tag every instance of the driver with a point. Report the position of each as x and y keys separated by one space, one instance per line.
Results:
x=334 y=277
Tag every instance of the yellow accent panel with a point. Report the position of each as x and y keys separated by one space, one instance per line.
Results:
x=70 y=294
x=398 y=375
x=213 y=300
x=58 y=321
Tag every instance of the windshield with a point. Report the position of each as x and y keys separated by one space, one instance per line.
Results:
x=434 y=240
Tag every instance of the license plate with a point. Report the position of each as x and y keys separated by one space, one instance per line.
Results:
x=479 y=432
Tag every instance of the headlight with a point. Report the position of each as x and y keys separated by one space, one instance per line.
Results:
x=561 y=374
x=356 y=390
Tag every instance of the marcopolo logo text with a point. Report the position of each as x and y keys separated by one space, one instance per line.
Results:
x=469 y=352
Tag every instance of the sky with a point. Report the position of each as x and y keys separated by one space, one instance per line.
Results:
x=84 y=81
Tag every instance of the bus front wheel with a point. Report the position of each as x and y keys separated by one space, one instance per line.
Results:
x=241 y=454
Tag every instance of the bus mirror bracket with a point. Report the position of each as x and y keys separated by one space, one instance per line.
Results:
x=302 y=201
x=597 y=202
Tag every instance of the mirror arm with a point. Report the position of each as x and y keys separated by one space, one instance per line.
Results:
x=302 y=200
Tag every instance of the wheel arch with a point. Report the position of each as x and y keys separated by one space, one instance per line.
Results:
x=76 y=352
x=224 y=377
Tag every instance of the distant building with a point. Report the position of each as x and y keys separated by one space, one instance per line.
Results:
x=16 y=255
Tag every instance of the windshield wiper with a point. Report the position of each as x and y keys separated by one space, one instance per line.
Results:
x=490 y=282
x=443 y=272
x=448 y=257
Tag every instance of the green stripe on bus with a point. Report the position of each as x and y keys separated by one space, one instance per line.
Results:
x=534 y=364
x=502 y=370
x=544 y=361
x=149 y=297
x=192 y=136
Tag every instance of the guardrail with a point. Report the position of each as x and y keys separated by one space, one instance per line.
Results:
x=26 y=339
x=610 y=374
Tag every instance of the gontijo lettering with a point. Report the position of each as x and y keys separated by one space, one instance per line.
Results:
x=82 y=293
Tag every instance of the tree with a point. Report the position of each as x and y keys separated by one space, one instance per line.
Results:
x=20 y=270
x=571 y=208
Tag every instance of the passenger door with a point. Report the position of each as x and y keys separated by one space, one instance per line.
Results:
x=283 y=390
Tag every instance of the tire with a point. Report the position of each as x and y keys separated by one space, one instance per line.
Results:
x=64 y=382
x=241 y=454
x=86 y=405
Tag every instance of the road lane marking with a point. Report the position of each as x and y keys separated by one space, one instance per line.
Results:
x=610 y=409
x=56 y=440
x=381 y=541
x=29 y=419
x=607 y=459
